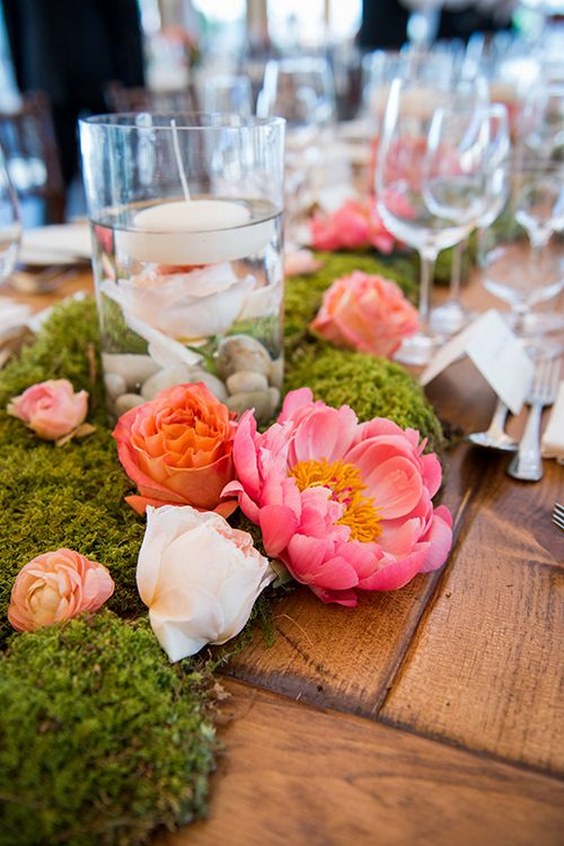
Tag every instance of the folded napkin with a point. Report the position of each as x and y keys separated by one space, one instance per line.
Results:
x=12 y=316
x=552 y=442
x=66 y=243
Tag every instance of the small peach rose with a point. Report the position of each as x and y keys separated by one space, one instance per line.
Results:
x=56 y=586
x=367 y=313
x=51 y=409
x=177 y=449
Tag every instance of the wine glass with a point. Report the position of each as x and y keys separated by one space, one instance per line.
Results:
x=531 y=226
x=300 y=89
x=452 y=315
x=10 y=222
x=430 y=177
x=521 y=256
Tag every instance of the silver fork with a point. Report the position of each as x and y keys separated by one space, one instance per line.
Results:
x=558 y=515
x=527 y=463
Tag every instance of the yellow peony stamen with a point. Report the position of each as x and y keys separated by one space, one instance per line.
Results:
x=346 y=486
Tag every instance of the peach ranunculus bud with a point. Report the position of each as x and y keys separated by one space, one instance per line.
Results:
x=177 y=449
x=199 y=578
x=56 y=586
x=51 y=409
x=367 y=313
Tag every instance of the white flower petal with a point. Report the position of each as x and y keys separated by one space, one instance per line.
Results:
x=199 y=581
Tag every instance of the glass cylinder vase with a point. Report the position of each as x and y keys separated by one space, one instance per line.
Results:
x=186 y=221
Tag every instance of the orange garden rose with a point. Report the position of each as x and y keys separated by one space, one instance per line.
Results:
x=366 y=313
x=177 y=449
x=56 y=586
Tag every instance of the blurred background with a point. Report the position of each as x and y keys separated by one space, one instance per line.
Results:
x=60 y=60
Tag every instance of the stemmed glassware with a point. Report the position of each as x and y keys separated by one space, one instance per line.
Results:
x=299 y=89
x=10 y=222
x=451 y=316
x=522 y=255
x=431 y=175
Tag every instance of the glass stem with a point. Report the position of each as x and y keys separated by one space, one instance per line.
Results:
x=428 y=260
x=456 y=271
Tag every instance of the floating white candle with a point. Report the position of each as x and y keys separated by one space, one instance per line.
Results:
x=193 y=232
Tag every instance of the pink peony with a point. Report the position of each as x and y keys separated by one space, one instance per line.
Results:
x=51 y=409
x=56 y=586
x=177 y=449
x=367 y=313
x=354 y=225
x=344 y=505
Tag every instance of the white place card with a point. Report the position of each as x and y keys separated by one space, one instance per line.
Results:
x=496 y=353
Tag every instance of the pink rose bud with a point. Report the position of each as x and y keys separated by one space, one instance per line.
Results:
x=51 y=409
x=56 y=586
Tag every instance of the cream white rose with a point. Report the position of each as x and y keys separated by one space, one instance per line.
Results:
x=189 y=306
x=199 y=578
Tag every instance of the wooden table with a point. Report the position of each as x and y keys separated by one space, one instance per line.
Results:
x=433 y=715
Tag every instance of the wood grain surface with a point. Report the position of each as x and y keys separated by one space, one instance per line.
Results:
x=432 y=715
x=296 y=775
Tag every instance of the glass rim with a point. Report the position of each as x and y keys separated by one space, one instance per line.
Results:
x=184 y=120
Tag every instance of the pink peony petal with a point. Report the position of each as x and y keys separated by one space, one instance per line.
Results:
x=326 y=433
x=439 y=537
x=392 y=480
x=348 y=598
x=395 y=574
x=431 y=472
x=295 y=401
x=277 y=524
x=327 y=571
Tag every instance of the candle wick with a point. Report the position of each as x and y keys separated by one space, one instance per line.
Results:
x=179 y=164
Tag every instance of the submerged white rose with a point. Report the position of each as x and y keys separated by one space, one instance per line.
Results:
x=188 y=305
x=199 y=578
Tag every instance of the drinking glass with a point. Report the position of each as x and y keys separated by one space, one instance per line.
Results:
x=10 y=223
x=521 y=255
x=430 y=178
x=536 y=214
x=452 y=315
x=300 y=89
x=186 y=221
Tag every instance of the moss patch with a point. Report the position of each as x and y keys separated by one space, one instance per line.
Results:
x=101 y=740
x=71 y=496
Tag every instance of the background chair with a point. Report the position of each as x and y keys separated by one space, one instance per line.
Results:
x=27 y=136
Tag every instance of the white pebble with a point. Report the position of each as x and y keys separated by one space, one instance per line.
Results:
x=215 y=385
x=241 y=352
x=134 y=369
x=126 y=402
x=166 y=378
x=276 y=372
x=246 y=380
x=261 y=401
x=115 y=385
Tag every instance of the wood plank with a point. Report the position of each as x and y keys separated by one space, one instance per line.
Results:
x=332 y=656
x=294 y=774
x=485 y=668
